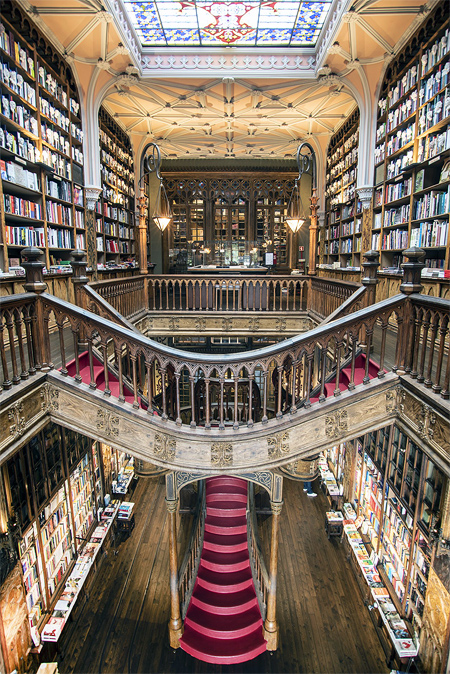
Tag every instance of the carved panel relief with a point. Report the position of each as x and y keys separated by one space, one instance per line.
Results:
x=221 y=454
x=165 y=447
x=108 y=423
x=336 y=424
x=15 y=415
x=278 y=445
x=435 y=623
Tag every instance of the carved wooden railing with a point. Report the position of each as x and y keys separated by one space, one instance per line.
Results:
x=327 y=295
x=261 y=578
x=293 y=368
x=228 y=293
x=189 y=566
x=128 y=296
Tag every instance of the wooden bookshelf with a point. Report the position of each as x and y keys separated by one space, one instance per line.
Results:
x=343 y=211
x=115 y=209
x=41 y=153
x=412 y=170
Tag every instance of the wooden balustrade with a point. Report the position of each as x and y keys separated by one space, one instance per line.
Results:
x=232 y=390
x=327 y=295
x=189 y=567
x=260 y=573
x=228 y=293
x=128 y=296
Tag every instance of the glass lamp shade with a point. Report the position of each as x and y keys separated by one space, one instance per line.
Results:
x=295 y=223
x=162 y=214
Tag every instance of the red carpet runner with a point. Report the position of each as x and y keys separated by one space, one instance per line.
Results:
x=223 y=624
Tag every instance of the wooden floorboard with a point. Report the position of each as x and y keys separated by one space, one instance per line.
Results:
x=324 y=626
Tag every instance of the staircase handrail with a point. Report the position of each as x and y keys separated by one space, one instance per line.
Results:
x=106 y=309
x=350 y=304
x=261 y=578
x=127 y=296
x=191 y=561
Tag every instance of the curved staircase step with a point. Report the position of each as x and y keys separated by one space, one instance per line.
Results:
x=226 y=525
x=223 y=626
x=224 y=603
x=225 y=561
x=227 y=509
x=224 y=582
x=220 y=542
x=214 y=497
x=223 y=651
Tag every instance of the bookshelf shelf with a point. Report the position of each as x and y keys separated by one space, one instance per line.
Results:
x=418 y=122
x=40 y=141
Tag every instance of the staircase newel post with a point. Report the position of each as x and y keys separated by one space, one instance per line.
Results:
x=370 y=280
x=79 y=278
x=34 y=283
x=412 y=270
x=270 y=629
x=175 y=622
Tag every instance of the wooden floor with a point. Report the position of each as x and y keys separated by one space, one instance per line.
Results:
x=324 y=626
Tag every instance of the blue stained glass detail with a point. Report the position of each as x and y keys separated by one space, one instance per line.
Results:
x=274 y=36
x=227 y=22
x=175 y=37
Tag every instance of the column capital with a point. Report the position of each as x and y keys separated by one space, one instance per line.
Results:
x=171 y=505
x=276 y=507
x=91 y=193
x=365 y=195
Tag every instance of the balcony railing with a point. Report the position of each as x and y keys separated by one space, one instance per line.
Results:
x=232 y=390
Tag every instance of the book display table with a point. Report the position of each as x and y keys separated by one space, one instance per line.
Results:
x=334 y=523
x=394 y=634
x=121 y=485
x=125 y=518
x=79 y=575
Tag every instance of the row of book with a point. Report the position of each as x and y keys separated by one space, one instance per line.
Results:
x=55 y=138
x=17 y=83
x=58 y=189
x=436 y=52
x=433 y=144
x=403 y=85
x=55 y=114
x=117 y=165
x=19 y=114
x=59 y=164
x=434 y=111
x=433 y=203
x=17 y=174
x=401 y=138
x=398 y=190
x=430 y=234
x=396 y=216
x=50 y=83
x=402 y=112
x=395 y=166
x=58 y=214
x=121 y=154
x=113 y=212
x=16 y=50
x=23 y=207
x=433 y=84
x=394 y=240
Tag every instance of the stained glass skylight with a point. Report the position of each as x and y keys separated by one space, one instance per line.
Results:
x=263 y=23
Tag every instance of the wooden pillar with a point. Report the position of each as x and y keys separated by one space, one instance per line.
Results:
x=369 y=280
x=270 y=625
x=175 y=622
x=91 y=194
x=313 y=233
x=142 y=232
x=34 y=283
x=412 y=269
x=365 y=197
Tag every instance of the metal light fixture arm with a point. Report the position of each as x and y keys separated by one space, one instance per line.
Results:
x=305 y=162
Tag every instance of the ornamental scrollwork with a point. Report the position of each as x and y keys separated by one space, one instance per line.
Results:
x=108 y=422
x=165 y=447
x=17 y=428
x=336 y=424
x=278 y=445
x=49 y=398
x=221 y=454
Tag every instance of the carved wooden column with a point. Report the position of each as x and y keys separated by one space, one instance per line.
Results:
x=142 y=232
x=34 y=283
x=412 y=270
x=92 y=194
x=270 y=625
x=313 y=232
x=79 y=278
x=365 y=197
x=369 y=280
x=175 y=622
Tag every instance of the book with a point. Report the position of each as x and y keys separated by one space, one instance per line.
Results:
x=445 y=171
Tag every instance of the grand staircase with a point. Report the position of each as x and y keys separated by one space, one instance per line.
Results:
x=223 y=624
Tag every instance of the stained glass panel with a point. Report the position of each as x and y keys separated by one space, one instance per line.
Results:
x=218 y=22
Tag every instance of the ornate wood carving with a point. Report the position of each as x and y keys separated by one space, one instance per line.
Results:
x=15 y=415
x=108 y=423
x=221 y=454
x=165 y=447
x=428 y=423
x=435 y=623
x=50 y=398
x=278 y=445
x=336 y=424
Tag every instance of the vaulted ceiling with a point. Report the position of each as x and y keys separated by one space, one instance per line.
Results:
x=229 y=101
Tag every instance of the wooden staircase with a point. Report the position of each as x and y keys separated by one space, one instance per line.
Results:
x=223 y=623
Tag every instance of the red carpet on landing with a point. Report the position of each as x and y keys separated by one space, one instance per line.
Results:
x=223 y=624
